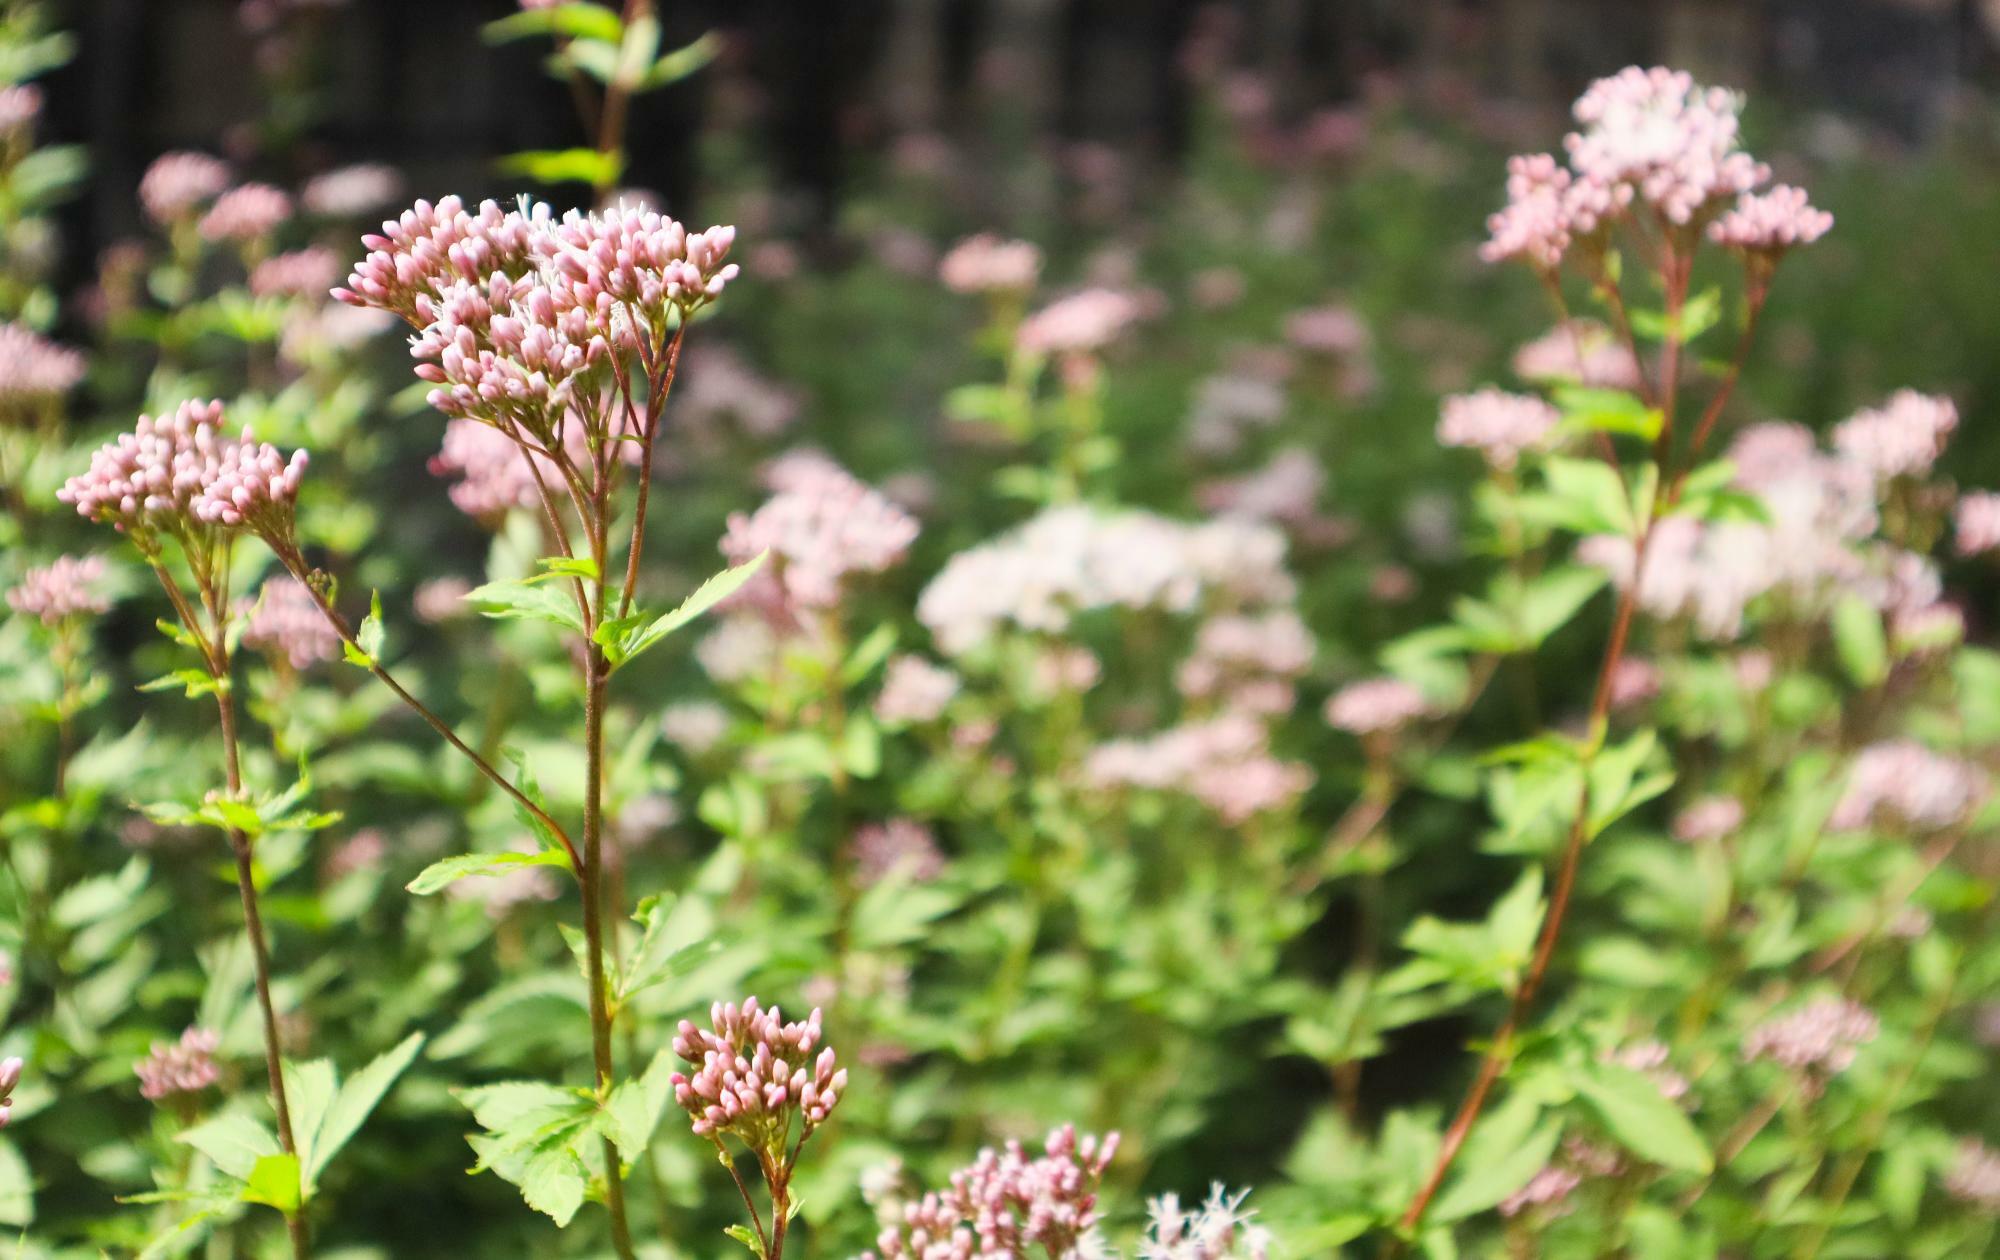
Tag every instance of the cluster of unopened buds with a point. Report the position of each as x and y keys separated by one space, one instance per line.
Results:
x=178 y=471
x=1006 y=1204
x=753 y=1073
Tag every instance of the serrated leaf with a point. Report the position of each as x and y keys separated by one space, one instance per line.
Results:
x=1642 y=1119
x=1860 y=641
x=354 y=1103
x=522 y=601
x=627 y=642
x=442 y=874
x=1503 y=1154
x=633 y=1111
x=274 y=1182
x=232 y=1142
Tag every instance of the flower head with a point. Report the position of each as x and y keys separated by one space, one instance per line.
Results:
x=246 y=213
x=186 y=1066
x=987 y=264
x=34 y=372
x=1770 y=223
x=1903 y=437
x=1974 y=1178
x=825 y=526
x=1580 y=352
x=1006 y=1204
x=177 y=183
x=300 y=273
x=351 y=191
x=65 y=587
x=1901 y=782
x=1082 y=323
x=914 y=690
x=1816 y=1042
x=1710 y=818
x=1976 y=523
x=754 y=1074
x=1375 y=706
x=1217 y=1230
x=1497 y=424
x=900 y=845
x=152 y=475
x=1669 y=140
x=286 y=623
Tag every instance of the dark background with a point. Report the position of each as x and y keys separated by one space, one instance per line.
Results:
x=410 y=83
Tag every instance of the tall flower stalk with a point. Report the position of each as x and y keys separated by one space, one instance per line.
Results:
x=563 y=337
x=158 y=486
x=1654 y=173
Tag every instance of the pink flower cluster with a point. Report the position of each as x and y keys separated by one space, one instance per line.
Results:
x=1902 y=783
x=511 y=305
x=824 y=527
x=987 y=264
x=1653 y=139
x=1901 y=438
x=175 y=471
x=899 y=846
x=1816 y=1042
x=1375 y=706
x=1248 y=661
x=1710 y=818
x=914 y=690
x=1080 y=324
x=1334 y=331
x=351 y=191
x=1225 y=763
x=65 y=587
x=1770 y=222
x=34 y=371
x=753 y=1072
x=177 y=183
x=10 y=1076
x=492 y=472
x=1580 y=352
x=253 y=484
x=300 y=273
x=186 y=1066
x=1651 y=1059
x=247 y=213
x=1974 y=1177
x=1497 y=424
x=1284 y=491
x=1005 y=1204
x=20 y=106
x=1976 y=523
x=286 y=623
x=1072 y=560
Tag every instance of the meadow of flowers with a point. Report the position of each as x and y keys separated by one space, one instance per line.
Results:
x=1368 y=697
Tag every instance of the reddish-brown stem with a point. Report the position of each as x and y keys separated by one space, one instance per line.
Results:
x=1705 y=427
x=296 y=565
x=591 y=874
x=246 y=886
x=749 y=1204
x=656 y=401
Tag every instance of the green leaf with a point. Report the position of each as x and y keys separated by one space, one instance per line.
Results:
x=274 y=1181
x=565 y=166
x=572 y=21
x=681 y=62
x=531 y=1129
x=1607 y=411
x=369 y=637
x=869 y=653
x=673 y=943
x=637 y=51
x=1589 y=497
x=519 y=600
x=565 y=567
x=17 y=1188
x=442 y=874
x=195 y=682
x=1636 y=1113
x=634 y=1108
x=353 y=1104
x=232 y=1142
x=1503 y=1154
x=1553 y=598
x=1859 y=639
x=625 y=643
